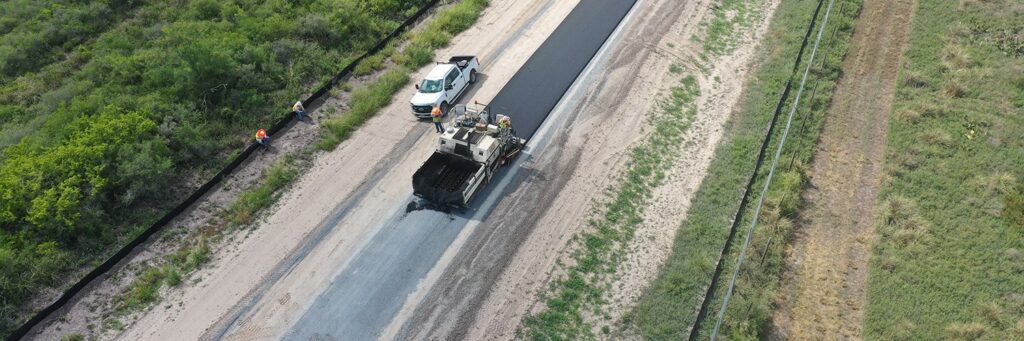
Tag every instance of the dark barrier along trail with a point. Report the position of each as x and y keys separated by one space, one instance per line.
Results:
x=716 y=276
x=199 y=193
x=535 y=89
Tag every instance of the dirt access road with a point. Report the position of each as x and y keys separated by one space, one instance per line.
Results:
x=824 y=292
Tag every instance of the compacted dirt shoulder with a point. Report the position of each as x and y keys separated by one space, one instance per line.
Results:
x=824 y=290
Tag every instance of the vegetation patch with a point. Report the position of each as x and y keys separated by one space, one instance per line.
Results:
x=600 y=249
x=34 y=34
x=668 y=309
x=252 y=201
x=729 y=17
x=948 y=263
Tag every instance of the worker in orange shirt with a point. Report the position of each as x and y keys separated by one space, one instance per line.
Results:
x=262 y=138
x=435 y=115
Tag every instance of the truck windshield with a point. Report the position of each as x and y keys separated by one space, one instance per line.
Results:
x=430 y=86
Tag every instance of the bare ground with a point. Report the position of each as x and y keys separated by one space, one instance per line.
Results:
x=823 y=292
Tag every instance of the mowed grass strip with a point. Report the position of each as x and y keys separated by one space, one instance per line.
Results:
x=668 y=308
x=600 y=249
x=949 y=262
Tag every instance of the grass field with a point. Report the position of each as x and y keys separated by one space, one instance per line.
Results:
x=668 y=308
x=949 y=262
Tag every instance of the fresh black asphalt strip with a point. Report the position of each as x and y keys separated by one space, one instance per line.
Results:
x=538 y=86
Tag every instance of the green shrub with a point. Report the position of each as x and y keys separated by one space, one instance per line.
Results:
x=197 y=256
x=173 y=277
x=369 y=65
x=143 y=290
x=363 y=104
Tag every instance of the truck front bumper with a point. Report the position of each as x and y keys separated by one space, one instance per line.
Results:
x=422 y=111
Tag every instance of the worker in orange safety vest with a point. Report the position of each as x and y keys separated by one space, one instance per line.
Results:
x=435 y=115
x=262 y=138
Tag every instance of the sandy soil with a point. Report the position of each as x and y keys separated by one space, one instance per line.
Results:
x=824 y=290
x=591 y=150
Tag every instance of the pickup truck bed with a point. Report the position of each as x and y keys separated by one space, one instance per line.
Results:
x=461 y=61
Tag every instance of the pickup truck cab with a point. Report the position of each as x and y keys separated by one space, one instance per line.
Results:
x=444 y=84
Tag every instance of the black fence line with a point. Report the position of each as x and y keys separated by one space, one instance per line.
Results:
x=738 y=218
x=281 y=124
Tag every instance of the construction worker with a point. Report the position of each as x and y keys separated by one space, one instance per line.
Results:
x=299 y=110
x=435 y=115
x=504 y=122
x=262 y=138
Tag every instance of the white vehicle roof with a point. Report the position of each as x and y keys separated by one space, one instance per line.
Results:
x=440 y=71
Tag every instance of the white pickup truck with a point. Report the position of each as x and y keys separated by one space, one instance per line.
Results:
x=444 y=84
